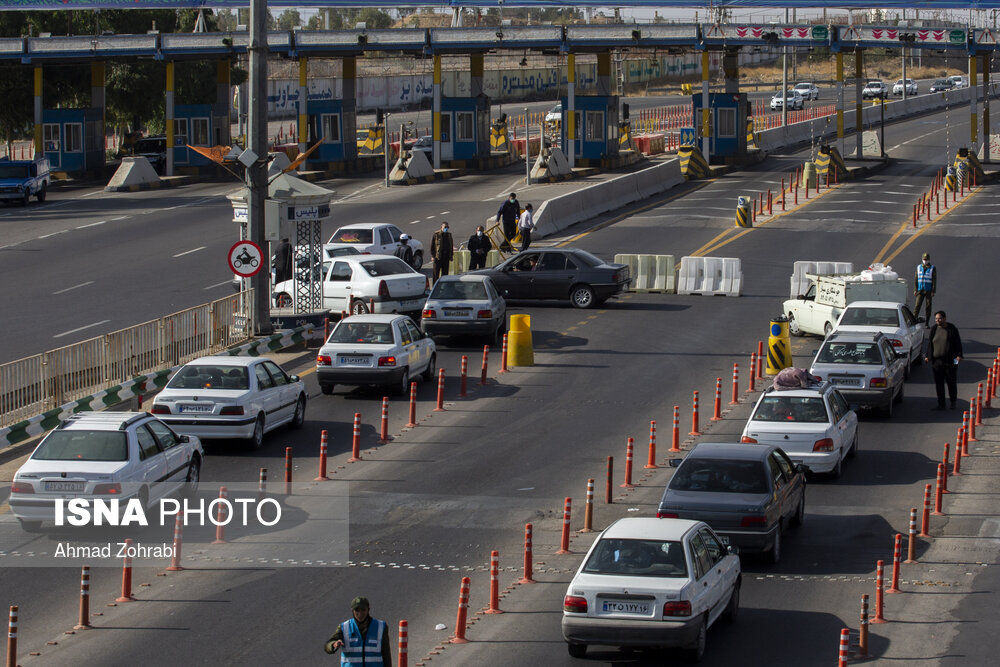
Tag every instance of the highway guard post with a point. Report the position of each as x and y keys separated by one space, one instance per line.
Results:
x=779 y=345
x=950 y=181
x=519 y=348
x=743 y=217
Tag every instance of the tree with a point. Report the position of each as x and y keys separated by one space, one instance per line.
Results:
x=374 y=18
x=289 y=19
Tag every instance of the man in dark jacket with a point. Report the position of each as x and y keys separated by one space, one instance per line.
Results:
x=479 y=246
x=442 y=248
x=404 y=251
x=510 y=211
x=283 y=262
x=944 y=351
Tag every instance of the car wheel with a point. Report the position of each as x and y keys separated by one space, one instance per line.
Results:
x=581 y=296
x=838 y=468
x=30 y=526
x=774 y=555
x=428 y=373
x=257 y=439
x=41 y=193
x=327 y=389
x=193 y=477
x=359 y=307
x=793 y=326
x=853 y=451
x=800 y=511
x=696 y=652
x=27 y=198
x=576 y=650
x=827 y=328
x=733 y=608
x=300 y=413
x=403 y=385
x=418 y=259
x=283 y=301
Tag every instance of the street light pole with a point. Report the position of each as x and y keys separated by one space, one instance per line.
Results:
x=527 y=149
x=385 y=146
x=256 y=173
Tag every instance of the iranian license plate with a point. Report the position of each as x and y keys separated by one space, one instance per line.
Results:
x=410 y=304
x=353 y=360
x=846 y=382
x=64 y=487
x=625 y=607
x=194 y=408
x=456 y=313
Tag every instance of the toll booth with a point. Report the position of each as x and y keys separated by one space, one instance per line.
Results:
x=465 y=128
x=596 y=127
x=335 y=123
x=202 y=125
x=73 y=139
x=727 y=119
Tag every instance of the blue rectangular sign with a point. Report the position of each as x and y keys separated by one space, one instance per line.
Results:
x=687 y=136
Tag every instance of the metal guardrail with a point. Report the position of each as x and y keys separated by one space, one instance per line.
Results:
x=38 y=383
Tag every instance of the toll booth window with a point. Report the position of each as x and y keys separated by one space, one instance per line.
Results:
x=576 y=125
x=463 y=126
x=594 y=126
x=727 y=123
x=50 y=136
x=199 y=132
x=74 y=137
x=180 y=131
x=330 y=128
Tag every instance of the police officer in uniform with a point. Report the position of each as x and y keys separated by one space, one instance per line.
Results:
x=924 y=286
x=364 y=640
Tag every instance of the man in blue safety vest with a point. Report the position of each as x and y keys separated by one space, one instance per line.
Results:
x=924 y=286
x=365 y=640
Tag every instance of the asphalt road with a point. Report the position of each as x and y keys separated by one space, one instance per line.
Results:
x=428 y=508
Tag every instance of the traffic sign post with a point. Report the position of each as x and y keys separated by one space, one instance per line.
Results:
x=245 y=258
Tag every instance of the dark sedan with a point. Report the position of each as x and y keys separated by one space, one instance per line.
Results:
x=747 y=493
x=559 y=273
x=942 y=86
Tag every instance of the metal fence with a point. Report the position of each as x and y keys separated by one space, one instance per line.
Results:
x=35 y=384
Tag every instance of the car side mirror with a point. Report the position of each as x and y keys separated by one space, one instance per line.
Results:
x=855 y=408
x=673 y=463
x=801 y=468
x=184 y=438
x=734 y=550
x=921 y=320
x=801 y=296
x=293 y=378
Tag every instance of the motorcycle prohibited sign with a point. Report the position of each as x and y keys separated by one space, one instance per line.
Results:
x=245 y=258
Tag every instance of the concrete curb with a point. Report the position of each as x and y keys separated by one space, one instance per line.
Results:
x=166 y=182
x=441 y=175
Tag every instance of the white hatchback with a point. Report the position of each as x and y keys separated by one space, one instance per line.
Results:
x=231 y=397
x=651 y=583
x=895 y=320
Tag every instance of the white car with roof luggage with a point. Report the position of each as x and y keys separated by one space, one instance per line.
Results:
x=906 y=333
x=374 y=238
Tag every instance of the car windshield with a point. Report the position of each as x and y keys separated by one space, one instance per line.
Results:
x=939 y=83
x=351 y=235
x=365 y=333
x=719 y=476
x=456 y=289
x=73 y=445
x=389 y=266
x=865 y=354
x=644 y=558
x=809 y=409
x=872 y=317
x=150 y=146
x=210 y=377
x=13 y=171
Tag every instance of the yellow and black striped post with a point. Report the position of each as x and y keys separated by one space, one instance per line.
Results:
x=823 y=161
x=779 y=346
x=950 y=182
x=743 y=217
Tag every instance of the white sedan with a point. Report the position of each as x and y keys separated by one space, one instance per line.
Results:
x=651 y=583
x=466 y=304
x=231 y=397
x=374 y=238
x=807 y=90
x=895 y=320
x=385 y=350
x=791 y=97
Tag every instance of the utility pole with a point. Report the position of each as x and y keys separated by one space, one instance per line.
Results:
x=256 y=174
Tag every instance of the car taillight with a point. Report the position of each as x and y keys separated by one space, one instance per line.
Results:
x=383 y=289
x=748 y=440
x=896 y=343
x=824 y=445
x=324 y=360
x=666 y=515
x=21 y=487
x=427 y=284
x=387 y=361
x=879 y=382
x=819 y=378
x=753 y=522
x=428 y=314
x=575 y=604
x=160 y=409
x=485 y=314
x=231 y=410
x=677 y=608
x=110 y=489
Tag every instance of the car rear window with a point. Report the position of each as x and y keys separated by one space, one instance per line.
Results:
x=586 y=258
x=79 y=445
x=865 y=354
x=210 y=377
x=364 y=333
x=454 y=289
x=719 y=476
x=389 y=266
x=873 y=317
x=350 y=235
x=645 y=558
x=809 y=409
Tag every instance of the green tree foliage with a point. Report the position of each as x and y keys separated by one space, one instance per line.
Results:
x=289 y=19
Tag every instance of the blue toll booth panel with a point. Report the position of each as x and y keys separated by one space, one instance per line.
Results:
x=465 y=128
x=73 y=139
x=727 y=123
x=596 y=126
x=334 y=128
x=200 y=125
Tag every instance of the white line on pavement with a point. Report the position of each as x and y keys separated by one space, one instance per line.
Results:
x=188 y=252
x=224 y=282
x=93 y=224
x=120 y=217
x=62 y=231
x=431 y=216
x=95 y=324
x=445 y=212
x=63 y=291
x=413 y=222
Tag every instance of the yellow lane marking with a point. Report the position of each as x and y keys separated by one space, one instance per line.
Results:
x=311 y=369
x=892 y=239
x=4 y=508
x=573 y=327
x=923 y=229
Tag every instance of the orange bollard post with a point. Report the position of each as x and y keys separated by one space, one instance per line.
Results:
x=770 y=202
x=463 y=609
x=863 y=632
x=356 y=440
x=175 y=557
x=413 y=406
x=795 y=192
x=651 y=459
x=736 y=385
x=588 y=506
x=321 y=477
x=440 y=397
x=402 y=649
x=528 y=566
x=896 y=558
x=126 y=595
x=288 y=471
x=945 y=461
x=694 y=417
x=12 y=637
x=979 y=404
x=262 y=483
x=957 y=467
x=911 y=538
x=879 y=585
x=760 y=360
x=564 y=542
x=753 y=365
x=503 y=356
x=486 y=356
x=938 y=491
x=925 y=520
x=989 y=389
x=607 y=485
x=220 y=526
x=675 y=440
x=782 y=194
x=628 y=465
x=494 y=607
x=817 y=183
x=384 y=437
x=969 y=424
x=717 y=411
x=845 y=645
x=914 y=215
x=83 y=622
x=465 y=374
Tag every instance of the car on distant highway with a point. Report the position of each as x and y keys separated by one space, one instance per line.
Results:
x=864 y=367
x=807 y=90
x=910 y=86
x=905 y=332
x=373 y=238
x=748 y=494
x=363 y=283
x=813 y=425
x=791 y=97
x=941 y=86
x=464 y=305
x=231 y=397
x=959 y=81
x=651 y=583
x=104 y=455
x=559 y=273
x=875 y=89
x=382 y=350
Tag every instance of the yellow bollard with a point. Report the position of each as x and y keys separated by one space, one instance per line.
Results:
x=519 y=348
x=779 y=346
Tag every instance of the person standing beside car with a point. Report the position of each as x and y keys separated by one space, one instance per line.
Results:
x=525 y=226
x=404 y=251
x=509 y=211
x=924 y=285
x=442 y=249
x=479 y=246
x=944 y=351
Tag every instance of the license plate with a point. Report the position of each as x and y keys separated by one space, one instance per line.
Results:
x=846 y=382
x=625 y=607
x=194 y=408
x=64 y=487
x=457 y=313
x=410 y=304
x=353 y=360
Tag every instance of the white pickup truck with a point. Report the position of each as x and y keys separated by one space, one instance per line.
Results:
x=818 y=310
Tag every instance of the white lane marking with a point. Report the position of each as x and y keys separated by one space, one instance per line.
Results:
x=445 y=212
x=188 y=252
x=63 y=291
x=430 y=216
x=62 y=231
x=120 y=217
x=358 y=192
x=224 y=282
x=95 y=192
x=413 y=222
x=93 y=224
x=73 y=331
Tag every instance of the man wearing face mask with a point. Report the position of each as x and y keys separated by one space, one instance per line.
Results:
x=479 y=245
x=510 y=211
x=442 y=248
x=924 y=286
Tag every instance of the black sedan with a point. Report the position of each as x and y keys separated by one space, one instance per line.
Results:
x=559 y=273
x=747 y=493
x=942 y=86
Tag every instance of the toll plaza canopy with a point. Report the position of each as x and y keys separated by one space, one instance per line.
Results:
x=20 y=5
